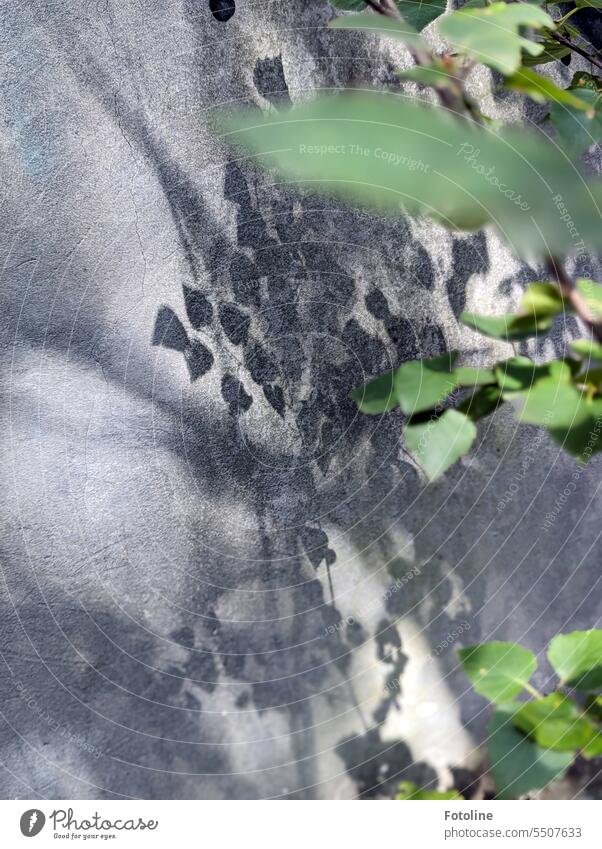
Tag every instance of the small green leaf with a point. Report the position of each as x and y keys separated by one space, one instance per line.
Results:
x=468 y=376
x=587 y=349
x=510 y=328
x=541 y=89
x=438 y=444
x=517 y=764
x=420 y=13
x=550 y=51
x=555 y=722
x=416 y=13
x=422 y=384
x=498 y=670
x=577 y=659
x=542 y=299
x=377 y=395
x=577 y=131
x=408 y=790
x=593 y=748
x=430 y=76
x=481 y=403
x=518 y=375
x=573 y=420
x=491 y=35
x=402 y=31
x=593 y=4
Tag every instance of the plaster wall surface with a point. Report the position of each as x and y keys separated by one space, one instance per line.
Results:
x=219 y=580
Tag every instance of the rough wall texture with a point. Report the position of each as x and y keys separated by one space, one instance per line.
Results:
x=219 y=581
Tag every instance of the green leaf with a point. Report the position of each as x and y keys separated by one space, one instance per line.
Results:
x=550 y=49
x=422 y=384
x=431 y=76
x=542 y=299
x=377 y=395
x=517 y=764
x=407 y=790
x=498 y=670
x=491 y=35
x=587 y=349
x=416 y=13
x=577 y=131
x=555 y=722
x=510 y=328
x=577 y=659
x=519 y=375
x=541 y=89
x=481 y=403
x=468 y=376
x=593 y=4
x=593 y=748
x=400 y=157
x=368 y=22
x=438 y=444
x=419 y=13
x=573 y=420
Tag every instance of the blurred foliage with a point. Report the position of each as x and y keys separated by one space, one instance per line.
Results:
x=532 y=743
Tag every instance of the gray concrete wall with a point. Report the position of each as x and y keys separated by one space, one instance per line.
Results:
x=219 y=581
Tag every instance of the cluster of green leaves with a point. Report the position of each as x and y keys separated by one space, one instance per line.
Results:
x=533 y=742
x=564 y=396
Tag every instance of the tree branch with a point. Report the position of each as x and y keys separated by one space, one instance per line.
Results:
x=562 y=40
x=574 y=297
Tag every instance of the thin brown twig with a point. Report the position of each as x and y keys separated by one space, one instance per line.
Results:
x=574 y=297
x=567 y=43
x=422 y=58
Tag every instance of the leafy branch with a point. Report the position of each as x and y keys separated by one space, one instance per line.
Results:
x=533 y=742
x=577 y=49
x=472 y=173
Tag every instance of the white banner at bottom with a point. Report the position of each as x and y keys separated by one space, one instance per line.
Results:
x=302 y=824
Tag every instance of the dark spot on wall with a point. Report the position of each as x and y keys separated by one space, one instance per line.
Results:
x=377 y=304
x=198 y=308
x=243 y=700
x=184 y=636
x=233 y=393
x=169 y=331
x=201 y=668
x=235 y=323
x=275 y=398
x=364 y=756
x=268 y=76
x=222 y=10
x=469 y=256
x=315 y=544
x=245 y=280
x=261 y=367
x=199 y=359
